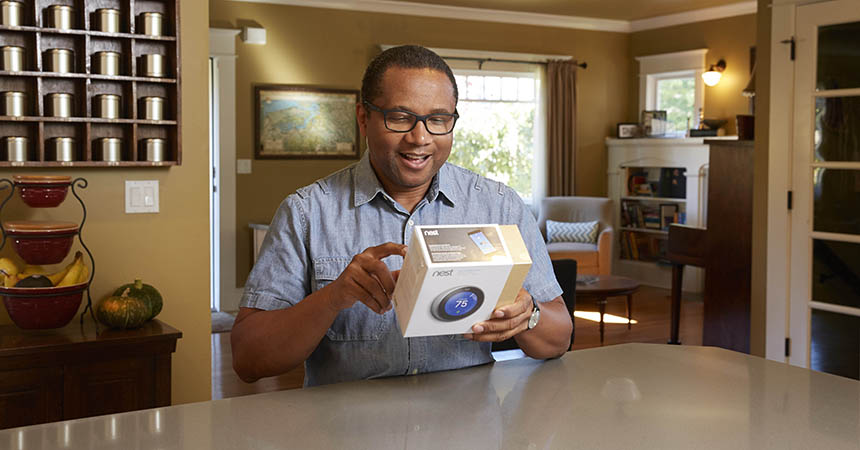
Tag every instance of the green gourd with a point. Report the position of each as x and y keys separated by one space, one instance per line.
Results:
x=123 y=311
x=145 y=292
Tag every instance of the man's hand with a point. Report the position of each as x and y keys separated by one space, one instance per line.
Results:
x=505 y=322
x=366 y=279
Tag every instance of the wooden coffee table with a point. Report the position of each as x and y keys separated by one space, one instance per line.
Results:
x=606 y=286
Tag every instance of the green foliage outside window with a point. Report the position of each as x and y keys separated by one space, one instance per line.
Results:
x=677 y=97
x=494 y=139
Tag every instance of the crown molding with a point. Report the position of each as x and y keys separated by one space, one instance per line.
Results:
x=522 y=18
x=699 y=15
x=461 y=13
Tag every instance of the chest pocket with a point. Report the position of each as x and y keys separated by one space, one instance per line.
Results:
x=357 y=323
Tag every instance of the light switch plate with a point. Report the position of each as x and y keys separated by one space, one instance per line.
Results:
x=243 y=166
x=141 y=196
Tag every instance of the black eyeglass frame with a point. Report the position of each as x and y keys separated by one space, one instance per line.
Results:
x=422 y=119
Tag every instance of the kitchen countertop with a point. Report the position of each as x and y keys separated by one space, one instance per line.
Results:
x=623 y=396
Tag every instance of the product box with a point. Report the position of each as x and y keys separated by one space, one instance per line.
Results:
x=455 y=276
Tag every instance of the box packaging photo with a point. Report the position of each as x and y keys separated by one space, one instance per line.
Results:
x=455 y=276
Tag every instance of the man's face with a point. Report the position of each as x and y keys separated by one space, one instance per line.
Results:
x=408 y=160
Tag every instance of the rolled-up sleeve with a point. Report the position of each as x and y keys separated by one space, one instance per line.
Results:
x=280 y=277
x=540 y=281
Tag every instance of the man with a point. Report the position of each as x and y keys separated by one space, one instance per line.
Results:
x=320 y=292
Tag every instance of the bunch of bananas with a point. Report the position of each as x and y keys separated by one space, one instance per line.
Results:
x=75 y=273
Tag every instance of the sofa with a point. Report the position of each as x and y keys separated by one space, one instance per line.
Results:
x=592 y=259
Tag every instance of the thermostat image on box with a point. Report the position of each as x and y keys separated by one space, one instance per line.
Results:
x=457 y=303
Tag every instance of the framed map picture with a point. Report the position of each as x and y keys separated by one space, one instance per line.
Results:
x=303 y=122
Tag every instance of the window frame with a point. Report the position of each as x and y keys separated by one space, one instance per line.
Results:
x=539 y=174
x=671 y=65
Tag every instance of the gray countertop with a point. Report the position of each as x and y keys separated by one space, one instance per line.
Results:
x=618 y=397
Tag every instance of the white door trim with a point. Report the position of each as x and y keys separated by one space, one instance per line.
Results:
x=222 y=48
x=778 y=179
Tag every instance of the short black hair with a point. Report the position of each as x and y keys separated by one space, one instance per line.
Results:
x=406 y=57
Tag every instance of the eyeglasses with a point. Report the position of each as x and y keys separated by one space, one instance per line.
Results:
x=401 y=121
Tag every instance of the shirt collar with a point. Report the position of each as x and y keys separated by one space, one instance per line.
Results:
x=366 y=184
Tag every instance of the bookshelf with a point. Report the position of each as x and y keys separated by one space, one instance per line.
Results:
x=653 y=183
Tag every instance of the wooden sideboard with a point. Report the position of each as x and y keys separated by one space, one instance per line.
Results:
x=74 y=372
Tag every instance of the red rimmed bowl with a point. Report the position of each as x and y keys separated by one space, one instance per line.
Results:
x=41 y=243
x=42 y=191
x=42 y=308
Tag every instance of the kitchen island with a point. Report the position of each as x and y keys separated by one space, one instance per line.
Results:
x=623 y=396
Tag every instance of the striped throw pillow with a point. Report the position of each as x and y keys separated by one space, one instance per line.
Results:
x=584 y=232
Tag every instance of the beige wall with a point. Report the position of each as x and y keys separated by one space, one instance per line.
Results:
x=169 y=250
x=728 y=39
x=331 y=48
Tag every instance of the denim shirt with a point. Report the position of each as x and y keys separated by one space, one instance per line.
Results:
x=317 y=231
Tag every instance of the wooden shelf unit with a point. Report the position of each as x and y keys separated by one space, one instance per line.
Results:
x=85 y=85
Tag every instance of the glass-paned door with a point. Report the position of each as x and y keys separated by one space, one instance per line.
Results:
x=825 y=223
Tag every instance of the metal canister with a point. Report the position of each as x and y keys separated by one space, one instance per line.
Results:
x=109 y=149
x=59 y=60
x=153 y=149
x=16 y=148
x=152 y=108
x=60 y=16
x=152 y=65
x=13 y=58
x=151 y=23
x=11 y=13
x=62 y=148
x=106 y=63
x=107 y=20
x=14 y=104
x=58 y=104
x=106 y=106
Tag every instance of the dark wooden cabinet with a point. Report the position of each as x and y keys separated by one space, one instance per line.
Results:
x=724 y=249
x=74 y=372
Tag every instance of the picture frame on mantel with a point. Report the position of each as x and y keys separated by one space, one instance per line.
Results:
x=627 y=130
x=305 y=122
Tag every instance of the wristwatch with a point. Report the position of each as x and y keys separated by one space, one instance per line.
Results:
x=533 y=320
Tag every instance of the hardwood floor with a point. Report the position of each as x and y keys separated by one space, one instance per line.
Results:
x=650 y=309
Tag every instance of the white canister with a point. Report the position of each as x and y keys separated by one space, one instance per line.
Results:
x=152 y=108
x=153 y=149
x=106 y=106
x=11 y=13
x=58 y=104
x=152 y=65
x=13 y=58
x=14 y=104
x=62 y=148
x=59 y=60
x=108 y=149
x=107 y=20
x=106 y=63
x=150 y=23
x=16 y=148
x=60 y=17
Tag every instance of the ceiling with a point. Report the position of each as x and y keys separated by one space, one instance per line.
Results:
x=604 y=9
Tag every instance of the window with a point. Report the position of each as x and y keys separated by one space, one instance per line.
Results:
x=677 y=96
x=672 y=82
x=497 y=134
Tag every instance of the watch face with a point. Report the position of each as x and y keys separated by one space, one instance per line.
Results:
x=533 y=320
x=457 y=303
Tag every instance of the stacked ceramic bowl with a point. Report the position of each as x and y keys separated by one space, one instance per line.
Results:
x=33 y=298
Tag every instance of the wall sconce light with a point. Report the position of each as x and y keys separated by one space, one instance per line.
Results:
x=713 y=75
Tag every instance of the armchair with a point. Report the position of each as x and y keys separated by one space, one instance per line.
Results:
x=592 y=259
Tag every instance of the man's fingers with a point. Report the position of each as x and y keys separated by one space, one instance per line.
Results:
x=386 y=249
x=496 y=336
x=379 y=271
x=373 y=291
x=395 y=274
